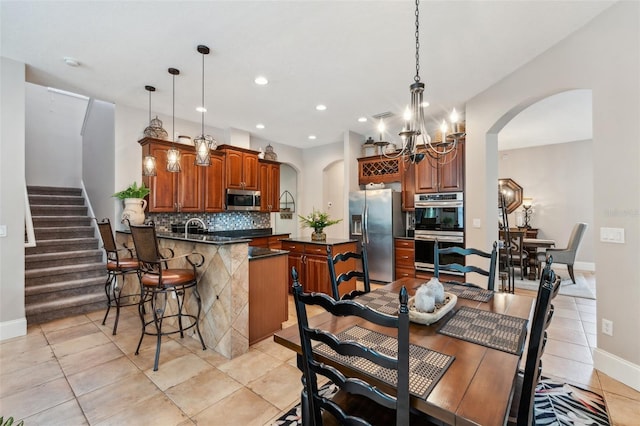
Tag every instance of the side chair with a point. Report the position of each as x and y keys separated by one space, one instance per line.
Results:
x=567 y=256
x=489 y=273
x=120 y=263
x=335 y=261
x=165 y=289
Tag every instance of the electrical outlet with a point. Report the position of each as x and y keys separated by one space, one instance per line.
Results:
x=607 y=327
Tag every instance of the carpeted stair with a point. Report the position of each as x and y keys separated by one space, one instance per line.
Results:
x=64 y=273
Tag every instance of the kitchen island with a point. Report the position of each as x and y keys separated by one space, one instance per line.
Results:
x=223 y=284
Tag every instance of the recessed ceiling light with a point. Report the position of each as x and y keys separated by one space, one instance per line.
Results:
x=72 y=62
x=321 y=107
x=362 y=119
x=312 y=137
x=261 y=80
x=201 y=109
x=259 y=126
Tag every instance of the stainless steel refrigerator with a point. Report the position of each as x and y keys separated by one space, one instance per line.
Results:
x=375 y=219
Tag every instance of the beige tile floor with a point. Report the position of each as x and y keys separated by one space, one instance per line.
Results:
x=74 y=372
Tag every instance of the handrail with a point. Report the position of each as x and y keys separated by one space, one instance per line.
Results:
x=28 y=222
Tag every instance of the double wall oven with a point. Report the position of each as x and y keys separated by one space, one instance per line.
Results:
x=438 y=217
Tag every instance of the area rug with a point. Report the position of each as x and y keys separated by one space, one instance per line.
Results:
x=555 y=404
x=580 y=289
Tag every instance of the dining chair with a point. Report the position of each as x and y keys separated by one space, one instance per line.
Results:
x=513 y=253
x=490 y=273
x=522 y=408
x=335 y=261
x=357 y=401
x=164 y=289
x=567 y=256
x=120 y=262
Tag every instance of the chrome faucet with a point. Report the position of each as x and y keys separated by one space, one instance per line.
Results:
x=193 y=219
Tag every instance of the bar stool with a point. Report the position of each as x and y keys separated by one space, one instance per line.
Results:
x=157 y=282
x=117 y=266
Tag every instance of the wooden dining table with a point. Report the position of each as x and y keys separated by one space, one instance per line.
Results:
x=531 y=245
x=476 y=389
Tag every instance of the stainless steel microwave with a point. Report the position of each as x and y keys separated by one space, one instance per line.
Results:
x=243 y=200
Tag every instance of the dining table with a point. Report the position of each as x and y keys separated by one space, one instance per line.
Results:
x=532 y=246
x=477 y=386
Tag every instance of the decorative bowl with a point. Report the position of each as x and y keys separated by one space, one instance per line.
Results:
x=427 y=318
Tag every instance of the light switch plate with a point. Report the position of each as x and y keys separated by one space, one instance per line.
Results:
x=3 y=230
x=612 y=235
x=476 y=223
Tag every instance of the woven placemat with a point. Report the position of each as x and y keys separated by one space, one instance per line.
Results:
x=426 y=367
x=490 y=329
x=469 y=293
x=381 y=300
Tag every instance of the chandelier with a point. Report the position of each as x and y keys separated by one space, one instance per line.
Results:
x=416 y=142
x=203 y=143
x=173 y=154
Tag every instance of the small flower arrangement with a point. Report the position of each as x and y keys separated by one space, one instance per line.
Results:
x=317 y=220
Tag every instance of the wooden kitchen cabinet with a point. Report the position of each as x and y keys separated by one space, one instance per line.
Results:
x=268 y=241
x=241 y=167
x=190 y=183
x=408 y=173
x=378 y=169
x=310 y=260
x=269 y=183
x=268 y=300
x=430 y=176
x=214 y=184
x=404 y=257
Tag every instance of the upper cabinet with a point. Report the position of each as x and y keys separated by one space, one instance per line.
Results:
x=269 y=183
x=193 y=189
x=241 y=167
x=431 y=176
x=378 y=169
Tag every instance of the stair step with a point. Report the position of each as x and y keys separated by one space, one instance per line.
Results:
x=56 y=246
x=64 y=221
x=47 y=260
x=48 y=200
x=59 y=232
x=38 y=313
x=53 y=210
x=53 y=190
x=62 y=289
x=64 y=273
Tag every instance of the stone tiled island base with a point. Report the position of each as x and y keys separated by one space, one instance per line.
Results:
x=223 y=284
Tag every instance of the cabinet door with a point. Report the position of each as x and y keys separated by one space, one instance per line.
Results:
x=190 y=183
x=317 y=274
x=296 y=260
x=250 y=171
x=408 y=171
x=451 y=174
x=163 y=195
x=214 y=185
x=234 y=169
x=274 y=184
x=265 y=195
x=426 y=176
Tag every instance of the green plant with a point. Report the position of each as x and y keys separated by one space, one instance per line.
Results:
x=317 y=220
x=133 y=191
x=9 y=422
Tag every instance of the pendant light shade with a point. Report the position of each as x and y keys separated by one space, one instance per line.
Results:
x=173 y=155
x=203 y=143
x=149 y=161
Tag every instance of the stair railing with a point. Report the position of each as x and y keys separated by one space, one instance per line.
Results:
x=30 y=236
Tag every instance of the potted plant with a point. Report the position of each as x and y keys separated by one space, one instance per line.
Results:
x=134 y=203
x=318 y=221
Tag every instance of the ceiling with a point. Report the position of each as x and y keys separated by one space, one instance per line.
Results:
x=356 y=57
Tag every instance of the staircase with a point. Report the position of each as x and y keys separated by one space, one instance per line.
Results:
x=64 y=273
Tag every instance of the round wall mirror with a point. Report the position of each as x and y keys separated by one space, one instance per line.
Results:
x=512 y=193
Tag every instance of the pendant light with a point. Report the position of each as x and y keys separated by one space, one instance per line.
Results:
x=149 y=161
x=173 y=155
x=203 y=143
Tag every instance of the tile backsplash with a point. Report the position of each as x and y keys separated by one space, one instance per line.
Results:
x=228 y=221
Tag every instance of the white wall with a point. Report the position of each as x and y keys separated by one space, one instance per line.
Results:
x=603 y=56
x=53 y=140
x=288 y=182
x=12 y=186
x=559 y=178
x=332 y=200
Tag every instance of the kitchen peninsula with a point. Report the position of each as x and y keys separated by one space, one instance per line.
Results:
x=223 y=284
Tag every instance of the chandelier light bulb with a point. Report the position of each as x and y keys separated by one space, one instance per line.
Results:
x=407 y=114
x=454 y=117
x=381 y=126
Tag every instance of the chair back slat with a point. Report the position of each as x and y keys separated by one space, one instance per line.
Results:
x=108 y=241
x=311 y=367
x=146 y=244
x=337 y=279
x=490 y=273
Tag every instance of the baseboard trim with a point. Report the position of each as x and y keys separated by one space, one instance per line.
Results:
x=618 y=368
x=13 y=328
x=578 y=266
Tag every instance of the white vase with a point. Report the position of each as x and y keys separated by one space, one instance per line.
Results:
x=134 y=210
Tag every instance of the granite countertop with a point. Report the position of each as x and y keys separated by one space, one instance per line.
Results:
x=216 y=237
x=261 y=252
x=327 y=242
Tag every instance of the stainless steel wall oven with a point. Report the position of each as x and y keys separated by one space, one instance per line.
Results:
x=438 y=217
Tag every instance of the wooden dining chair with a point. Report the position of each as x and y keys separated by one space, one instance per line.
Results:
x=522 y=407
x=514 y=249
x=357 y=401
x=489 y=273
x=338 y=278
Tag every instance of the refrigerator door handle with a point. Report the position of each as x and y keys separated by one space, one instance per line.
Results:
x=365 y=225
